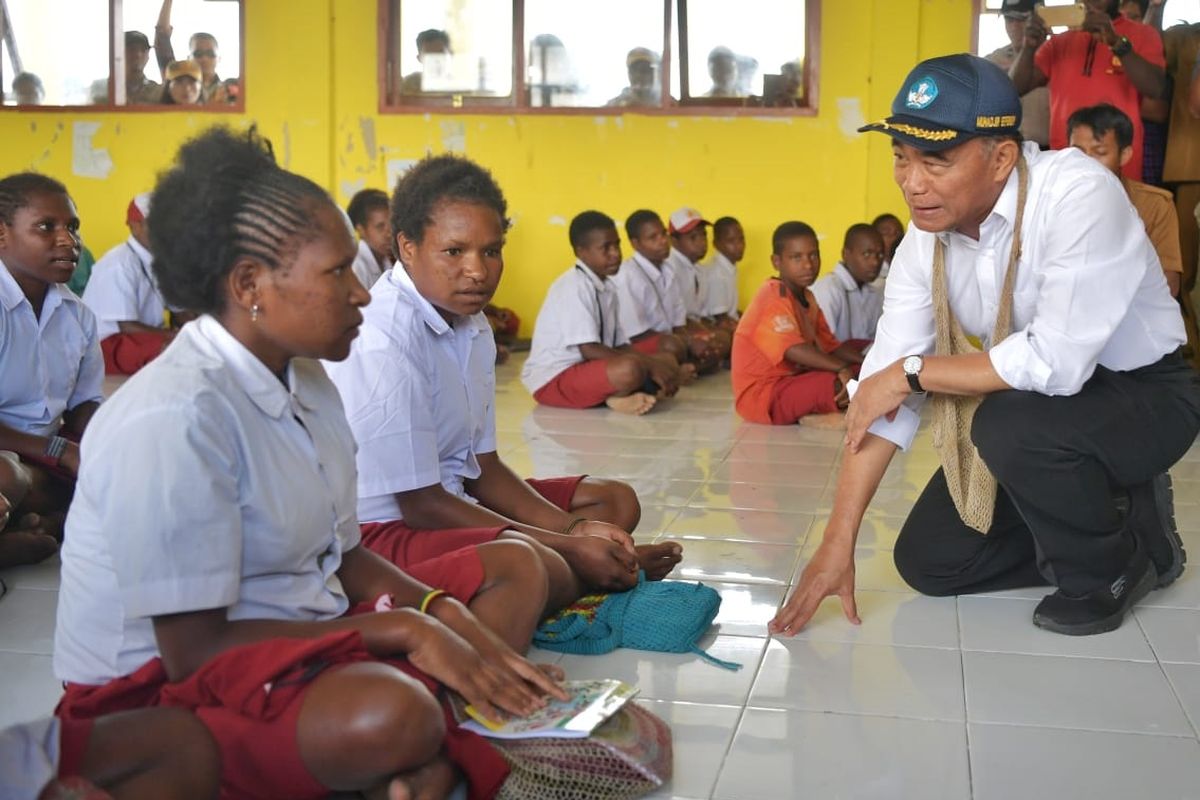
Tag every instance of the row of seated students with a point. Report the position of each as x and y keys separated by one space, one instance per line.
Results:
x=297 y=532
x=620 y=333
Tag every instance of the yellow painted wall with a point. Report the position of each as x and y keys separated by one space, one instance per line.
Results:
x=311 y=87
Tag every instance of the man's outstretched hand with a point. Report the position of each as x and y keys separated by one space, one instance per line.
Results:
x=830 y=572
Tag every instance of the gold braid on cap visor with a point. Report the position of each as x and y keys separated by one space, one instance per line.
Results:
x=919 y=133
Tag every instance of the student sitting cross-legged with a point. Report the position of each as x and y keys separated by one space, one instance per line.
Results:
x=581 y=356
x=786 y=362
x=419 y=390
x=51 y=370
x=131 y=316
x=213 y=558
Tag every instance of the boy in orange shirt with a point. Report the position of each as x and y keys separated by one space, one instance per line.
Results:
x=786 y=361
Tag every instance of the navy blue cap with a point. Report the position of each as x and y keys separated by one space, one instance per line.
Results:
x=947 y=100
x=1017 y=9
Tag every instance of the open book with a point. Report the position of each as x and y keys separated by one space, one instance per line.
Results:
x=591 y=703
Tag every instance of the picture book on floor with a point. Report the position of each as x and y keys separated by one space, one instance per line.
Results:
x=591 y=702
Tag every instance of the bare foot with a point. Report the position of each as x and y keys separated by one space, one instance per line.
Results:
x=636 y=404
x=687 y=374
x=659 y=559
x=21 y=547
x=434 y=781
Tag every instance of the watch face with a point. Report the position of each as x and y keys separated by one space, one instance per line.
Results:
x=913 y=364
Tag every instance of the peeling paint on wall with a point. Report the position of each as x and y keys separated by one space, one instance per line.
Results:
x=557 y=219
x=88 y=161
x=850 y=116
x=454 y=136
x=351 y=188
x=367 y=125
x=287 y=147
x=397 y=167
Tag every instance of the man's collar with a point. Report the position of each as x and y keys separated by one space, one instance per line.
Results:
x=1004 y=211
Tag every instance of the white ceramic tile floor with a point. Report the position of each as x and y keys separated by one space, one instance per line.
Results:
x=930 y=697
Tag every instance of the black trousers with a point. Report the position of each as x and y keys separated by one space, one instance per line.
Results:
x=1058 y=461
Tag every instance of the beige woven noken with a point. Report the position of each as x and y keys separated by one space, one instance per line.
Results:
x=971 y=484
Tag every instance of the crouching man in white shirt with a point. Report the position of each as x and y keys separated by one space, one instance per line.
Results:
x=1085 y=401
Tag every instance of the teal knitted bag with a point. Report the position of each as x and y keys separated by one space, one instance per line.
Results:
x=664 y=616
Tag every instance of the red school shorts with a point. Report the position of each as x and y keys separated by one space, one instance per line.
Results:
x=648 y=345
x=250 y=698
x=447 y=559
x=126 y=353
x=584 y=385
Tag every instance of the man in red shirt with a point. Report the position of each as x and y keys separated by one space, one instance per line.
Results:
x=1109 y=59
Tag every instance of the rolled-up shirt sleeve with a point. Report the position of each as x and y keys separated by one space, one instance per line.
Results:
x=1090 y=259
x=905 y=329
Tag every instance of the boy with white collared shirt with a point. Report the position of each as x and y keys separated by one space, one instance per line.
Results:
x=729 y=247
x=51 y=370
x=848 y=297
x=124 y=296
x=581 y=357
x=689 y=238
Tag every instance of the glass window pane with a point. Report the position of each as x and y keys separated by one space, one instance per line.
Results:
x=1177 y=11
x=205 y=40
x=580 y=53
x=992 y=34
x=736 y=55
x=455 y=47
x=61 y=44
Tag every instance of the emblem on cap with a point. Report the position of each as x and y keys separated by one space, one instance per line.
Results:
x=922 y=93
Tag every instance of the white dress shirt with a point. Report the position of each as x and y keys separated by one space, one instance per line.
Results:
x=122 y=289
x=719 y=275
x=580 y=308
x=420 y=394
x=647 y=298
x=366 y=266
x=206 y=483
x=690 y=284
x=1089 y=287
x=852 y=311
x=48 y=364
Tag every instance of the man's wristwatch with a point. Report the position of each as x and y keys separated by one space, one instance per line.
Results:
x=912 y=370
x=1122 y=48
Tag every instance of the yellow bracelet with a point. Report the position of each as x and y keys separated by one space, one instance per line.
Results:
x=427 y=600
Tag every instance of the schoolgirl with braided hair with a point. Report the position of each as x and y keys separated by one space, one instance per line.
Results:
x=213 y=558
x=51 y=370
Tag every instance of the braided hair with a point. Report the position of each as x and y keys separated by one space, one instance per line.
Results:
x=442 y=179
x=16 y=189
x=225 y=200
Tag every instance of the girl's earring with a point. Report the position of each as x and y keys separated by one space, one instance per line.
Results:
x=254 y=309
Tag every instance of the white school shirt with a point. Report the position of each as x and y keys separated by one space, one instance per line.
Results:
x=647 y=299
x=580 y=308
x=1089 y=287
x=122 y=289
x=48 y=364
x=852 y=311
x=365 y=266
x=690 y=284
x=720 y=279
x=420 y=394
x=206 y=483
x=30 y=754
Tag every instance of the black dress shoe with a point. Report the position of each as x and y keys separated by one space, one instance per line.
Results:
x=1101 y=610
x=1150 y=514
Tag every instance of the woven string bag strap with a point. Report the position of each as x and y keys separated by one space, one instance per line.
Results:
x=972 y=486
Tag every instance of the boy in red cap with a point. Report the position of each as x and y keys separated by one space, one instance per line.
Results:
x=123 y=294
x=708 y=344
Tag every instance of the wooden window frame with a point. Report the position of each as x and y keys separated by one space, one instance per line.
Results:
x=518 y=103
x=116 y=89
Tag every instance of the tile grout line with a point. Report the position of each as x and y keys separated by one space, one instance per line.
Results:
x=1166 y=677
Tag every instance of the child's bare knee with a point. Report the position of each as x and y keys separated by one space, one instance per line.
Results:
x=626 y=373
